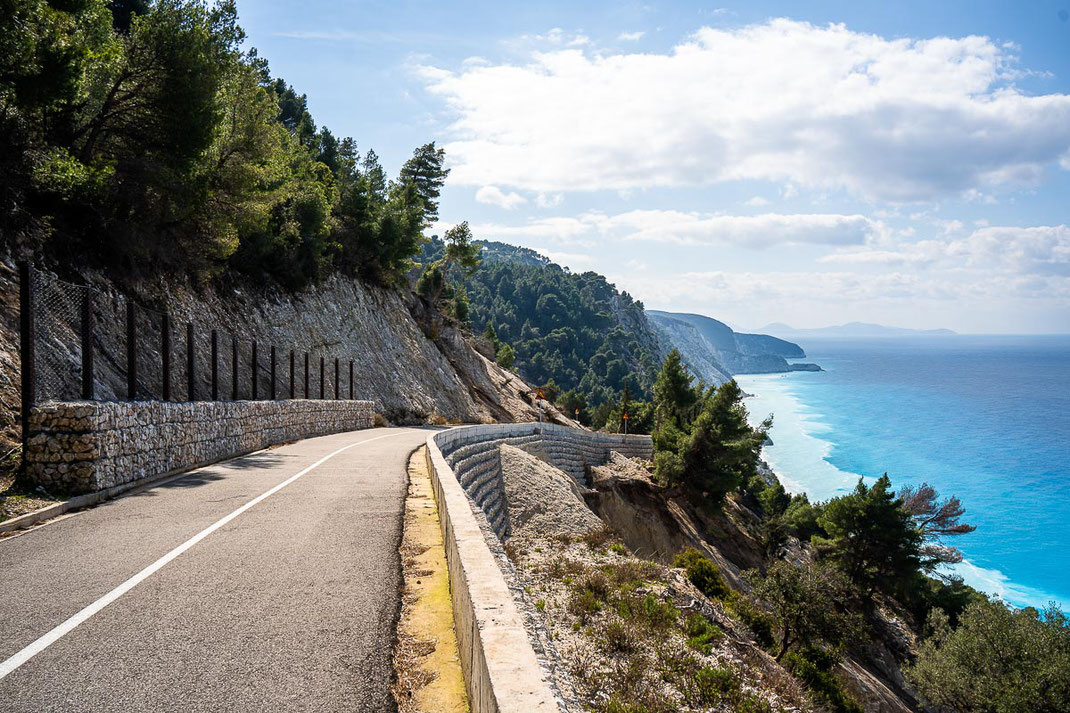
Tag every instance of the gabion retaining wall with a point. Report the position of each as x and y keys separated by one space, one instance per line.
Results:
x=88 y=446
x=473 y=455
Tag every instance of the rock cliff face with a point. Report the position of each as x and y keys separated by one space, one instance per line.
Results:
x=717 y=352
x=414 y=372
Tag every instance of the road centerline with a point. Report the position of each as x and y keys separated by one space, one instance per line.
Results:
x=12 y=663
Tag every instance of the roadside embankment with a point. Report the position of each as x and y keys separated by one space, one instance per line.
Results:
x=505 y=670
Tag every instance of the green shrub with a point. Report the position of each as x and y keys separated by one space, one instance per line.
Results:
x=750 y=703
x=758 y=621
x=814 y=668
x=701 y=633
x=617 y=637
x=703 y=573
x=713 y=684
x=619 y=549
x=648 y=611
x=583 y=604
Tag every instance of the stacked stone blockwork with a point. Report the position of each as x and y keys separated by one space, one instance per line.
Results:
x=473 y=454
x=85 y=447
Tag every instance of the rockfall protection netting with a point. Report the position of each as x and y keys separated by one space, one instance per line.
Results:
x=59 y=314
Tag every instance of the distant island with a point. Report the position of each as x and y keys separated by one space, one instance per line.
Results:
x=851 y=329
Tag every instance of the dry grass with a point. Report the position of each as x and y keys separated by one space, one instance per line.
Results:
x=629 y=637
x=16 y=500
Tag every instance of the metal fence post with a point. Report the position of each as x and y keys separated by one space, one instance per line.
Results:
x=234 y=369
x=336 y=378
x=165 y=354
x=131 y=350
x=215 y=365
x=350 y=379
x=26 y=339
x=254 y=370
x=292 y=386
x=191 y=364
x=272 y=372
x=321 y=377
x=87 y=345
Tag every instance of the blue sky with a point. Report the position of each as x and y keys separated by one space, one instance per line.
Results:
x=809 y=163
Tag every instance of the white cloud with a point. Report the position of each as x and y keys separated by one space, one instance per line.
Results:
x=758 y=231
x=631 y=36
x=756 y=201
x=822 y=107
x=800 y=292
x=492 y=195
x=559 y=37
x=570 y=260
x=549 y=200
x=1013 y=252
x=562 y=230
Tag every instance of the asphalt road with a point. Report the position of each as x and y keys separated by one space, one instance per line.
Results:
x=287 y=606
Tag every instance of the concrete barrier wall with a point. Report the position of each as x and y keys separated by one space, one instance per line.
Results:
x=502 y=671
x=89 y=446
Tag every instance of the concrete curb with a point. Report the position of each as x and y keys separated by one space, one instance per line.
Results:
x=502 y=673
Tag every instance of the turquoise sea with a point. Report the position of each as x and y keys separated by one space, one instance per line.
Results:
x=984 y=418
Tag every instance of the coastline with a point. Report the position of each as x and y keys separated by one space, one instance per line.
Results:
x=800 y=458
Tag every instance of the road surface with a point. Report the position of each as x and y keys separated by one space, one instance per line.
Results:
x=264 y=583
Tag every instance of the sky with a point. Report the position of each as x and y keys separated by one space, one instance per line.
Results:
x=809 y=163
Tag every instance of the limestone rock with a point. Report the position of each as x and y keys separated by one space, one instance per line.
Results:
x=542 y=499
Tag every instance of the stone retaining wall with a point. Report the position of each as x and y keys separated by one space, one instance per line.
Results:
x=87 y=446
x=472 y=454
x=505 y=669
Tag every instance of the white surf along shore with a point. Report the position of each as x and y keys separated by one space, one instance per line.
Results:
x=799 y=457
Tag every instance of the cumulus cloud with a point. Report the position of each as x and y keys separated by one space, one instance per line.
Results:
x=631 y=36
x=785 y=293
x=492 y=195
x=1007 y=250
x=549 y=200
x=755 y=201
x=571 y=260
x=821 y=107
x=690 y=228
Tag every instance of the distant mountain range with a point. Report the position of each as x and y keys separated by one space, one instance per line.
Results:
x=851 y=329
x=717 y=352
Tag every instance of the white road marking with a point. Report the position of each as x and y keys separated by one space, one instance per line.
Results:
x=71 y=624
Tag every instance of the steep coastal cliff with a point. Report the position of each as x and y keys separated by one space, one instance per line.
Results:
x=717 y=352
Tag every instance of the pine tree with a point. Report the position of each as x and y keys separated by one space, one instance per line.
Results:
x=871 y=536
x=424 y=171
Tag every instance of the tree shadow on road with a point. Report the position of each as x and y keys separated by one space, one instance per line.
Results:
x=261 y=460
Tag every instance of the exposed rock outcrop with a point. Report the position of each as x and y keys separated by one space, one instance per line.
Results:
x=411 y=377
x=541 y=499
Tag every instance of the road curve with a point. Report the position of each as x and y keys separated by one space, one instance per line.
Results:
x=288 y=604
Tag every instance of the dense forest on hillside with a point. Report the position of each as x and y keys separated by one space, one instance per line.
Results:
x=573 y=329
x=140 y=136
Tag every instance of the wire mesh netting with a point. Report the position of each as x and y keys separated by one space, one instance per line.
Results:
x=162 y=343
x=57 y=331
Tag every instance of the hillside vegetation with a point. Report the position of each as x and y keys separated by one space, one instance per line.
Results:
x=574 y=330
x=138 y=136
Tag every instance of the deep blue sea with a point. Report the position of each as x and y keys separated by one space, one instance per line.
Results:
x=984 y=418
